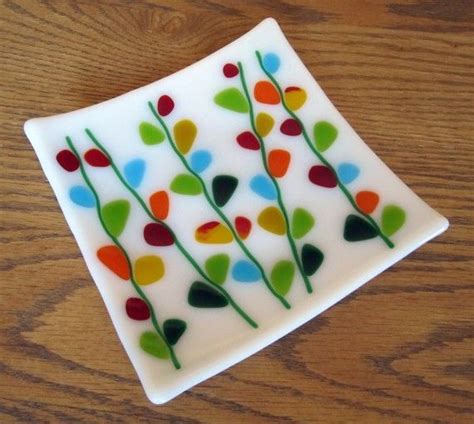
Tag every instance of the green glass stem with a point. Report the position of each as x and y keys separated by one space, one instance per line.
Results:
x=117 y=243
x=281 y=204
x=319 y=155
x=219 y=212
x=178 y=244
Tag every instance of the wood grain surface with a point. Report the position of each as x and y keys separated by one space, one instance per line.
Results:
x=399 y=350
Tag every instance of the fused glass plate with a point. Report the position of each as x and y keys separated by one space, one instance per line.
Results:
x=223 y=206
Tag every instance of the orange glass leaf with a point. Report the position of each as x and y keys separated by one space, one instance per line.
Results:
x=278 y=162
x=160 y=204
x=367 y=201
x=265 y=92
x=114 y=259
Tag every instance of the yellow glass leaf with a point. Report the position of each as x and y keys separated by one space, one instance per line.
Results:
x=295 y=97
x=213 y=233
x=184 y=134
x=264 y=123
x=271 y=219
x=148 y=269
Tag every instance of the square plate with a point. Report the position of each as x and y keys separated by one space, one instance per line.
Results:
x=223 y=206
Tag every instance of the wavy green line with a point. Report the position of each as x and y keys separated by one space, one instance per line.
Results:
x=281 y=204
x=218 y=210
x=140 y=292
x=341 y=186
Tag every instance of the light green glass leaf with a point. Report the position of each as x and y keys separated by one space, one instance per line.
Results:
x=115 y=215
x=393 y=218
x=301 y=223
x=153 y=344
x=150 y=134
x=282 y=276
x=217 y=267
x=324 y=134
x=186 y=184
x=232 y=99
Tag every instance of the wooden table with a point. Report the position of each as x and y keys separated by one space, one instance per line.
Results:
x=398 y=350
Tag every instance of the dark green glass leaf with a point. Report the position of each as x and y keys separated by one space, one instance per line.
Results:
x=312 y=258
x=173 y=329
x=358 y=229
x=223 y=187
x=203 y=295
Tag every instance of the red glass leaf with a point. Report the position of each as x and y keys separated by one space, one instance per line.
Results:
x=157 y=235
x=322 y=176
x=68 y=160
x=94 y=157
x=165 y=105
x=248 y=140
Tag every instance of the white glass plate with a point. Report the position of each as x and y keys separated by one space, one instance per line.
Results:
x=223 y=206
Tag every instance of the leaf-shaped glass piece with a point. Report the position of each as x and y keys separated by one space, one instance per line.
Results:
x=347 y=172
x=232 y=99
x=217 y=267
x=266 y=93
x=367 y=201
x=223 y=187
x=160 y=204
x=68 y=160
x=264 y=124
x=213 y=232
x=134 y=172
x=173 y=329
x=203 y=295
x=82 y=196
x=245 y=271
x=282 y=276
x=148 y=269
x=278 y=162
x=358 y=229
x=325 y=134
x=200 y=160
x=393 y=218
x=115 y=215
x=295 y=97
x=263 y=186
x=158 y=234
x=271 y=219
x=312 y=258
x=114 y=259
x=184 y=134
x=150 y=134
x=153 y=344
x=186 y=184
x=243 y=226
x=301 y=223
x=137 y=309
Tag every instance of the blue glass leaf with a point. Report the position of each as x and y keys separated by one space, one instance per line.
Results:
x=245 y=272
x=263 y=186
x=347 y=172
x=271 y=62
x=82 y=196
x=134 y=172
x=200 y=160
